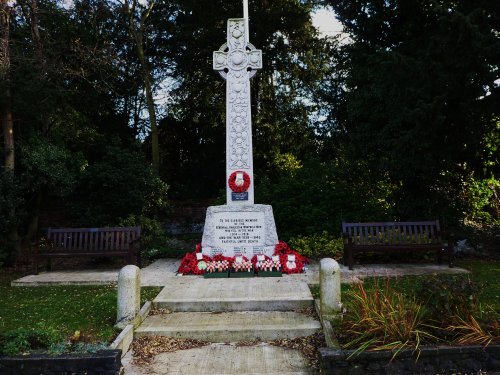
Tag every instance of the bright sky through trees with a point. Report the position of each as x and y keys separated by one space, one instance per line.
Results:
x=326 y=23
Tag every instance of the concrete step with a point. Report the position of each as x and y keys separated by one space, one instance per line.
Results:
x=225 y=359
x=246 y=294
x=230 y=326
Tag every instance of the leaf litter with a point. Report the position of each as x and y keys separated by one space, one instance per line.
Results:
x=147 y=347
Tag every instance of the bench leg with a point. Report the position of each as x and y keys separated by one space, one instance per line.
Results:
x=351 y=260
x=139 y=259
x=450 y=251
x=49 y=264
x=35 y=265
x=440 y=256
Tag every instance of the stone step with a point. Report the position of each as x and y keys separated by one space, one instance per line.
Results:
x=246 y=294
x=225 y=359
x=230 y=326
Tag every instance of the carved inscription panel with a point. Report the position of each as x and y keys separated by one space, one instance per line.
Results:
x=239 y=229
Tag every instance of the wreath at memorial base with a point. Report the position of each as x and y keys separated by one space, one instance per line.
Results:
x=190 y=264
x=239 y=188
x=283 y=250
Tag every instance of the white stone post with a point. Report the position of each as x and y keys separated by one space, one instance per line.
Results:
x=129 y=295
x=329 y=283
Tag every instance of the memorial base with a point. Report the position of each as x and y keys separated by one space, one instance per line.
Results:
x=239 y=230
x=216 y=275
x=240 y=274
x=269 y=273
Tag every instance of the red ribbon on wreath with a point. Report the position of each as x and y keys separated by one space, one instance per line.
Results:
x=239 y=188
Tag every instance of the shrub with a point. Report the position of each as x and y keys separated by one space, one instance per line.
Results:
x=11 y=203
x=318 y=196
x=23 y=340
x=155 y=242
x=318 y=246
x=46 y=339
x=383 y=319
x=483 y=198
x=119 y=184
x=445 y=297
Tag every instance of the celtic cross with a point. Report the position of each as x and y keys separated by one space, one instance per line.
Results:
x=237 y=61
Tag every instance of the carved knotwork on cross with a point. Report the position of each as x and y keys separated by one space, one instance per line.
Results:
x=237 y=54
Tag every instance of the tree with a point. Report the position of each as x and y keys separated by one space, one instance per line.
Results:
x=137 y=17
x=420 y=101
x=282 y=92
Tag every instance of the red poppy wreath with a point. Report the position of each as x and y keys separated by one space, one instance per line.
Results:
x=238 y=185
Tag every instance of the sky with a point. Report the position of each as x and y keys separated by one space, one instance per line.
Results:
x=326 y=23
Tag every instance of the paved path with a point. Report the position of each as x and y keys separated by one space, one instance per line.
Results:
x=161 y=272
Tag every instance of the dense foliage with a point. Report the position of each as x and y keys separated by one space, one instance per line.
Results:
x=397 y=121
x=421 y=102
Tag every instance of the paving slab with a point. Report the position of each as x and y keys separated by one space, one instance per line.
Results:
x=162 y=271
x=224 y=359
x=157 y=273
x=230 y=326
x=245 y=294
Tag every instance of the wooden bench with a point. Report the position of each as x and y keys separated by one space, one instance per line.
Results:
x=395 y=236
x=89 y=242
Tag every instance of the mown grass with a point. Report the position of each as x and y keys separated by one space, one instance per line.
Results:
x=88 y=309
x=485 y=273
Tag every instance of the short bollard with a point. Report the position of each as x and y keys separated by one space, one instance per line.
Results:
x=329 y=273
x=129 y=295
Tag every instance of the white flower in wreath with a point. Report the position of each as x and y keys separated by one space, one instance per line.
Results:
x=239 y=181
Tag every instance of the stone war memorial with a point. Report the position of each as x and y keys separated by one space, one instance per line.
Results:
x=240 y=227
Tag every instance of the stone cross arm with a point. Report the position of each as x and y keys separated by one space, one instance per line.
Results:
x=237 y=54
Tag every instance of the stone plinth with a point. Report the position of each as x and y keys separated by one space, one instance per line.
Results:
x=245 y=230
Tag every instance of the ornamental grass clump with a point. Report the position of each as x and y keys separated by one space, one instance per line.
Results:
x=383 y=319
x=482 y=329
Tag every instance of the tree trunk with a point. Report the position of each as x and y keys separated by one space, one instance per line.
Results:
x=30 y=12
x=155 y=148
x=5 y=110
x=146 y=76
x=136 y=30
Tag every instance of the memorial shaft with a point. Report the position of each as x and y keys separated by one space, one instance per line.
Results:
x=237 y=61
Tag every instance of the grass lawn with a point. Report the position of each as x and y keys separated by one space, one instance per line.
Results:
x=88 y=309
x=485 y=273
